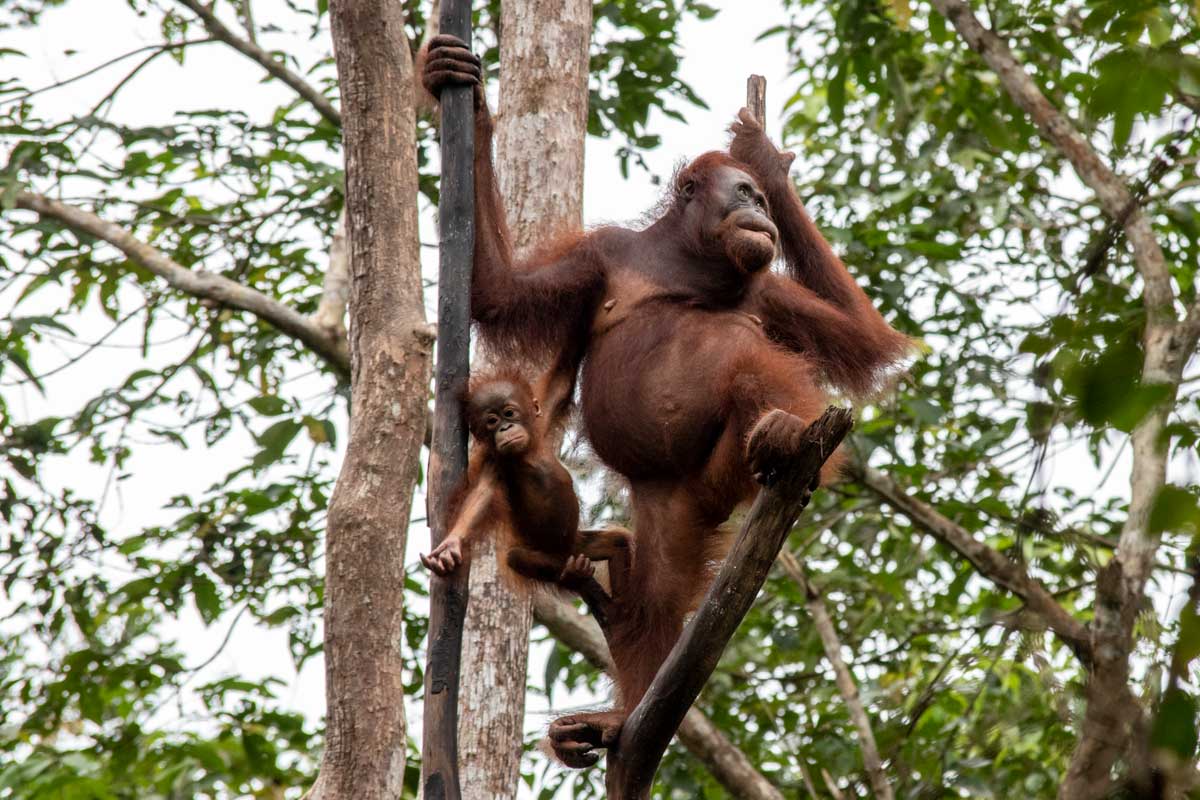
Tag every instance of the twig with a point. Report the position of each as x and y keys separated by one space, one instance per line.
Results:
x=248 y=21
x=264 y=59
x=1097 y=253
x=648 y=730
x=93 y=70
x=36 y=380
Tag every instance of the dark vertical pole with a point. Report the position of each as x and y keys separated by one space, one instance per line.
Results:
x=448 y=453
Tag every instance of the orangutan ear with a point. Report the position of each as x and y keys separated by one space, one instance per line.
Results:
x=688 y=190
x=537 y=408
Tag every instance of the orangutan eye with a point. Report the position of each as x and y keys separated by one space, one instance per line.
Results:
x=510 y=413
x=743 y=191
x=492 y=420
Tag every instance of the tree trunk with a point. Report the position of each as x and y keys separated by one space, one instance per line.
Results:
x=540 y=132
x=390 y=346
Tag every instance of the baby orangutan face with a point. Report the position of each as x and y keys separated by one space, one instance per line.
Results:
x=500 y=414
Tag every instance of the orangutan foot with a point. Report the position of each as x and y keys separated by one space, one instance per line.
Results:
x=774 y=441
x=578 y=738
x=576 y=573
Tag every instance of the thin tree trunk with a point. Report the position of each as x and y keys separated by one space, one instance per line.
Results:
x=847 y=687
x=540 y=132
x=390 y=346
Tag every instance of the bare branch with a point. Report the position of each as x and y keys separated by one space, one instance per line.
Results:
x=649 y=728
x=248 y=21
x=1114 y=196
x=206 y=285
x=845 y=680
x=703 y=739
x=264 y=59
x=990 y=563
x=331 y=311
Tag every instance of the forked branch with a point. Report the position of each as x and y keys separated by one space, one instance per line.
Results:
x=649 y=729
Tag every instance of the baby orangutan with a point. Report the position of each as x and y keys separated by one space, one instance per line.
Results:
x=515 y=478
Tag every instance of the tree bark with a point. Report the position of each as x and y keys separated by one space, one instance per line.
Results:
x=540 y=133
x=390 y=344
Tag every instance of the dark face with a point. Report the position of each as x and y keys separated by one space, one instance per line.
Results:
x=500 y=414
x=730 y=216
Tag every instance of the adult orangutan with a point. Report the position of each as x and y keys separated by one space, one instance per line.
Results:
x=701 y=366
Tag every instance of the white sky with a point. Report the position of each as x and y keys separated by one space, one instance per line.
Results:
x=718 y=56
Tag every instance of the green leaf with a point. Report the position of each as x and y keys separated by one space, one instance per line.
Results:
x=321 y=431
x=274 y=441
x=206 y=597
x=1187 y=648
x=281 y=615
x=269 y=405
x=835 y=93
x=1159 y=30
x=1036 y=344
x=1175 y=724
x=935 y=250
x=1175 y=510
x=1128 y=83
